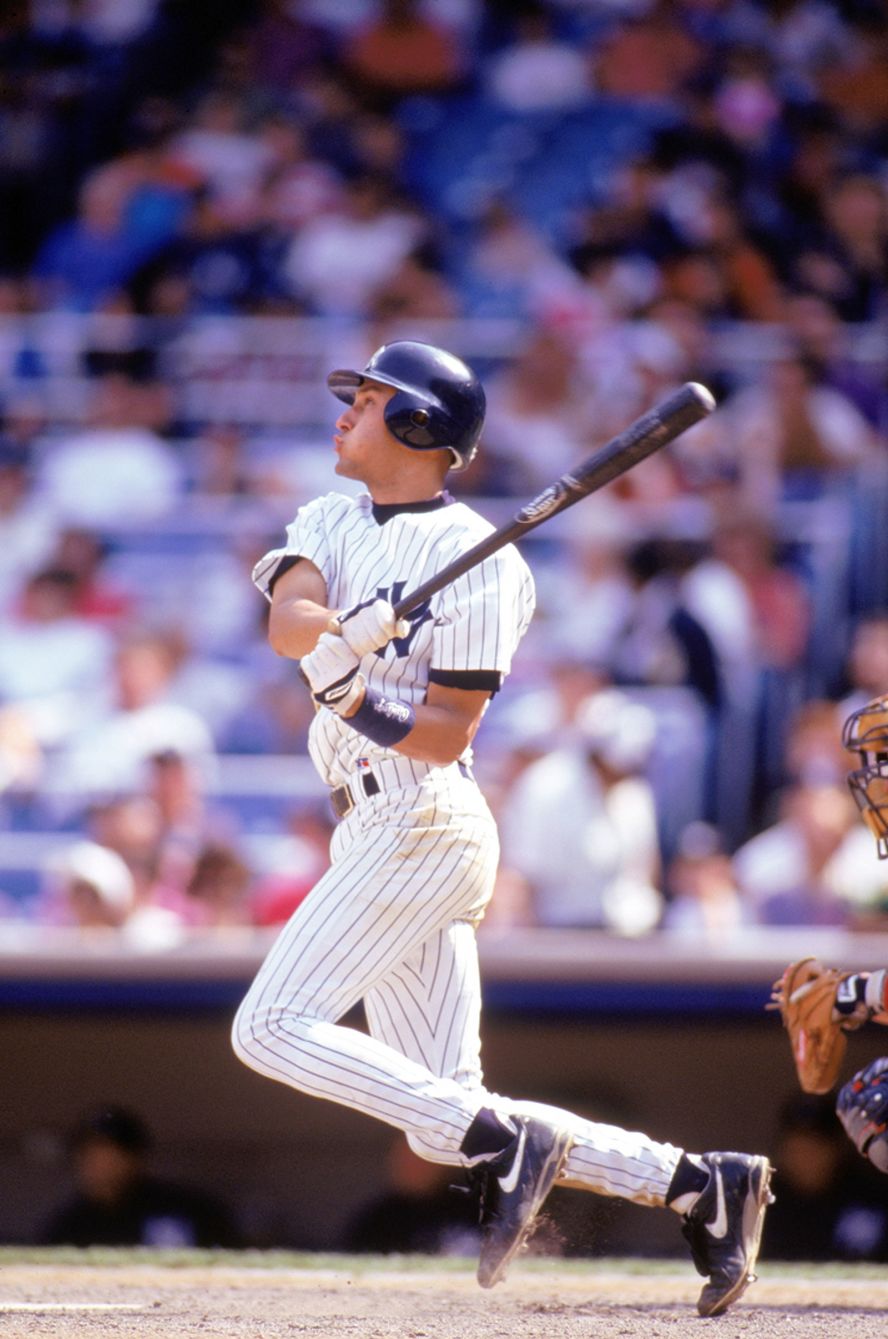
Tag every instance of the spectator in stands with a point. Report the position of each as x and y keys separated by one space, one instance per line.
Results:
x=842 y=257
x=116 y=470
x=664 y=642
x=812 y=866
x=285 y=45
x=99 y=251
x=219 y=461
x=591 y=575
x=823 y=339
x=298 y=185
x=702 y=894
x=48 y=649
x=401 y=52
x=132 y=826
x=88 y=886
x=795 y=437
x=747 y=103
x=752 y=287
x=415 y=291
x=27 y=525
x=294 y=866
x=379 y=147
x=757 y=613
x=856 y=85
x=117 y=1201
x=108 y=753
x=509 y=268
x=542 y=713
x=536 y=70
x=813 y=750
x=665 y=649
x=867 y=663
x=93 y=889
x=230 y=162
x=218 y=891
x=647 y=55
x=631 y=221
x=176 y=788
x=338 y=260
x=98 y=598
x=540 y=415
x=580 y=823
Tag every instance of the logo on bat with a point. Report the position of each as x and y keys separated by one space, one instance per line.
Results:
x=543 y=504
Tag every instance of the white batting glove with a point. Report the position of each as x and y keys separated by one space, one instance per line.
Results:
x=370 y=625
x=331 y=671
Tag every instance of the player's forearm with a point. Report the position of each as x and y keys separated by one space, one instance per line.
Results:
x=435 y=738
x=294 y=627
x=437 y=735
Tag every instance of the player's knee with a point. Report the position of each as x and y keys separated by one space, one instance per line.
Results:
x=862 y=1107
x=252 y=1033
x=242 y=1037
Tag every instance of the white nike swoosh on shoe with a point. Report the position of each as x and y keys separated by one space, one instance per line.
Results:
x=508 y=1182
x=719 y=1225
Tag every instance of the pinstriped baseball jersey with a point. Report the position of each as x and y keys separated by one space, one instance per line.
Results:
x=392 y=922
x=364 y=551
x=413 y=862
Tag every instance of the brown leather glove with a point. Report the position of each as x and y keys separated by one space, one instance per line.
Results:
x=806 y=995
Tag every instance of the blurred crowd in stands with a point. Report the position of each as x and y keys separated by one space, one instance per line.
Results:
x=205 y=207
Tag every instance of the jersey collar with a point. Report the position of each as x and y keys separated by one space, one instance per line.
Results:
x=384 y=511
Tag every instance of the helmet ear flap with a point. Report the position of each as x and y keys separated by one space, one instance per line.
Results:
x=424 y=428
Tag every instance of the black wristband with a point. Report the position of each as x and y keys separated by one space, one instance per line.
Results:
x=385 y=720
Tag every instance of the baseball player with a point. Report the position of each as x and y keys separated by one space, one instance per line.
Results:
x=821 y=1005
x=393 y=920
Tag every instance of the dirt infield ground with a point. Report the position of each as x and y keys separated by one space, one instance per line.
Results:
x=89 y=1295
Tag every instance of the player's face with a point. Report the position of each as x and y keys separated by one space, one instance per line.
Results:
x=364 y=446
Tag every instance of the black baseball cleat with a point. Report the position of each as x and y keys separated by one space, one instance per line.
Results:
x=514 y=1186
x=724 y=1227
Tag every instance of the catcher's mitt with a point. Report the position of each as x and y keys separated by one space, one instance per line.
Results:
x=806 y=995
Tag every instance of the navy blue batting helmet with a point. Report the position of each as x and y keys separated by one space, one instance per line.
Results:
x=439 y=402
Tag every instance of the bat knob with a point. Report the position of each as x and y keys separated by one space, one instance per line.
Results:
x=702 y=395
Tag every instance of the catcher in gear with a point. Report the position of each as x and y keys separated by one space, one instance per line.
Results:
x=819 y=1005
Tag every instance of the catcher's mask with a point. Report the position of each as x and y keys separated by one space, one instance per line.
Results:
x=866 y=733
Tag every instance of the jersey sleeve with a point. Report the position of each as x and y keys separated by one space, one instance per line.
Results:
x=482 y=616
x=306 y=537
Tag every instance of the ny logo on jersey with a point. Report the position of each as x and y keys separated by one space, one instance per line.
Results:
x=419 y=616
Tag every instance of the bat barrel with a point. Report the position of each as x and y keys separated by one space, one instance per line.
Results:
x=653 y=430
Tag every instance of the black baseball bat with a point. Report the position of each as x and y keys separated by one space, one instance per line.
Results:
x=647 y=434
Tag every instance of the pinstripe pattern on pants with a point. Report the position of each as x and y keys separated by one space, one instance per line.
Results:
x=393 y=923
x=412 y=871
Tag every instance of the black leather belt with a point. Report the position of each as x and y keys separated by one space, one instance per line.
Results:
x=341 y=797
x=343 y=802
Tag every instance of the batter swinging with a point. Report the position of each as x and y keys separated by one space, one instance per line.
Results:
x=393 y=920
